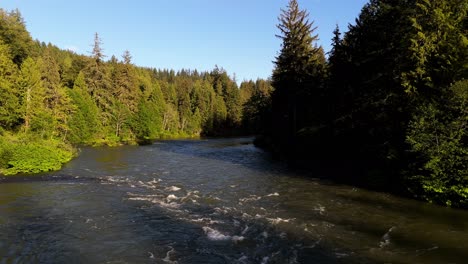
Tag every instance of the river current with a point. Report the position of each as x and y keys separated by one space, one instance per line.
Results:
x=213 y=201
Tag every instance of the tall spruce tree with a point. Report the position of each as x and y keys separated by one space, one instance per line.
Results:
x=56 y=98
x=97 y=78
x=297 y=76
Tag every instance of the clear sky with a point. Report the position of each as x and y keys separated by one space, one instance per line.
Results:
x=238 y=35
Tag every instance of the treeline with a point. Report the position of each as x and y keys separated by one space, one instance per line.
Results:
x=388 y=109
x=52 y=99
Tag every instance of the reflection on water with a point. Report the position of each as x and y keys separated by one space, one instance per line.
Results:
x=213 y=201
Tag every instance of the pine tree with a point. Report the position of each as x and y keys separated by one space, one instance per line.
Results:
x=97 y=53
x=56 y=98
x=297 y=76
x=97 y=78
x=84 y=122
x=148 y=123
x=437 y=46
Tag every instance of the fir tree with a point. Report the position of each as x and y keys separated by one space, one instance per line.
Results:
x=297 y=76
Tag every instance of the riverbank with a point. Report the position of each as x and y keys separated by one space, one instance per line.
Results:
x=29 y=154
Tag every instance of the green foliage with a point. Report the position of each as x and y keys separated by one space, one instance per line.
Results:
x=9 y=101
x=32 y=92
x=84 y=123
x=6 y=152
x=438 y=134
x=13 y=33
x=32 y=155
x=257 y=108
x=383 y=106
x=54 y=97
x=437 y=45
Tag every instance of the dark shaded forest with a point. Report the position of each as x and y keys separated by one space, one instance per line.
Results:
x=386 y=108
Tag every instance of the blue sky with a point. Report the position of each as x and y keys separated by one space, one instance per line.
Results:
x=238 y=35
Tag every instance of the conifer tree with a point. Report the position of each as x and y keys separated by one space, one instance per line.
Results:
x=97 y=78
x=9 y=97
x=13 y=33
x=297 y=75
x=32 y=92
x=84 y=122
x=56 y=98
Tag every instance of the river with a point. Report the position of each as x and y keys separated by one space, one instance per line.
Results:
x=213 y=201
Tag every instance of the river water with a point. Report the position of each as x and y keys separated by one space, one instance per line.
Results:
x=213 y=201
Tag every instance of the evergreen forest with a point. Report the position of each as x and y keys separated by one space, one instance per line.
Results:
x=386 y=108
x=53 y=100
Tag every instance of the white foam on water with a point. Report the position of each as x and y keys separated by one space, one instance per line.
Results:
x=115 y=179
x=278 y=220
x=341 y=255
x=265 y=260
x=385 y=241
x=190 y=195
x=246 y=216
x=214 y=234
x=167 y=259
x=220 y=210
x=201 y=220
x=243 y=259
x=215 y=198
x=314 y=244
x=259 y=216
x=206 y=220
x=171 y=197
x=173 y=189
x=145 y=196
x=250 y=199
x=320 y=209
x=169 y=205
x=422 y=251
x=273 y=194
x=237 y=239
x=153 y=199
x=154 y=181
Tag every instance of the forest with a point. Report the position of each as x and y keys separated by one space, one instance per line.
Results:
x=386 y=108
x=53 y=100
